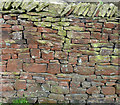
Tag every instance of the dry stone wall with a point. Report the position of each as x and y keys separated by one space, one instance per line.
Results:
x=59 y=53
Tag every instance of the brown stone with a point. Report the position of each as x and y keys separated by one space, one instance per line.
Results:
x=93 y=90
x=108 y=90
x=65 y=68
x=53 y=68
x=20 y=84
x=35 y=53
x=14 y=65
x=47 y=55
x=6 y=87
x=33 y=67
x=84 y=70
x=106 y=70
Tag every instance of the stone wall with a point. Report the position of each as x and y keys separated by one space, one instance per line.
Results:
x=59 y=53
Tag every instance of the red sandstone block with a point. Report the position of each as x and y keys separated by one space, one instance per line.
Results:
x=80 y=41
x=108 y=31
x=106 y=70
x=14 y=65
x=96 y=35
x=73 y=60
x=8 y=51
x=109 y=25
x=98 y=25
x=47 y=30
x=7 y=17
x=5 y=25
x=65 y=68
x=6 y=87
x=82 y=70
x=114 y=38
x=33 y=67
x=6 y=57
x=53 y=68
x=61 y=55
x=31 y=29
x=108 y=90
x=56 y=47
x=41 y=61
x=32 y=45
x=26 y=23
x=93 y=90
x=17 y=28
x=20 y=84
x=28 y=60
x=35 y=53
x=47 y=55
x=23 y=55
x=104 y=37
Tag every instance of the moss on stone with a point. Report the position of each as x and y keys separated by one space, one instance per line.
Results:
x=77 y=28
x=43 y=24
x=42 y=41
x=24 y=16
x=62 y=32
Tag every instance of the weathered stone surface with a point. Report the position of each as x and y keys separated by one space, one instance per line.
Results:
x=78 y=35
x=108 y=90
x=59 y=89
x=99 y=58
x=93 y=90
x=53 y=68
x=106 y=51
x=84 y=70
x=42 y=24
x=20 y=84
x=66 y=68
x=59 y=97
x=76 y=96
x=61 y=55
x=54 y=53
x=102 y=45
x=47 y=55
x=17 y=35
x=37 y=68
x=106 y=70
x=46 y=100
x=14 y=65
x=77 y=28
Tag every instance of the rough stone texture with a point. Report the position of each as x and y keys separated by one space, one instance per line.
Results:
x=59 y=53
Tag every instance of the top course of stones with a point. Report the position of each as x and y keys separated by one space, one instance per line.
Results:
x=60 y=9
